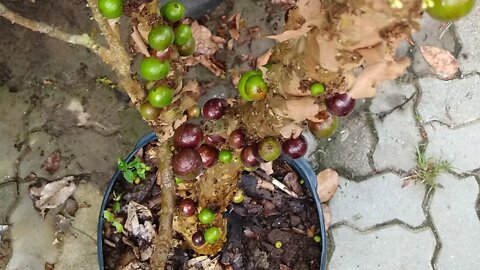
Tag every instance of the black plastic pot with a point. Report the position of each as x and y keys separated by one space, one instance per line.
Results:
x=300 y=165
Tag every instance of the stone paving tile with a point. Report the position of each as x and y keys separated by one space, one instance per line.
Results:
x=456 y=222
x=32 y=237
x=391 y=94
x=377 y=200
x=451 y=102
x=347 y=151
x=79 y=251
x=429 y=34
x=396 y=146
x=458 y=146
x=12 y=109
x=8 y=197
x=392 y=247
x=467 y=29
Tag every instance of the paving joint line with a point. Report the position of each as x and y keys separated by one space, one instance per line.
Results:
x=451 y=126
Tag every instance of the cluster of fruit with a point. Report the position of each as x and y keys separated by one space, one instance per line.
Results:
x=160 y=39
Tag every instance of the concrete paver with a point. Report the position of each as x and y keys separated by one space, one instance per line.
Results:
x=457 y=223
x=396 y=147
x=8 y=197
x=458 y=146
x=467 y=29
x=451 y=102
x=377 y=200
x=392 y=247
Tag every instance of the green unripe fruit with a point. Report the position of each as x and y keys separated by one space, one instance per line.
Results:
x=206 y=216
x=111 y=9
x=239 y=196
x=160 y=37
x=183 y=33
x=160 y=96
x=225 y=156
x=317 y=89
x=269 y=149
x=188 y=48
x=152 y=69
x=173 y=11
x=256 y=88
x=149 y=112
x=212 y=235
x=450 y=10
x=243 y=81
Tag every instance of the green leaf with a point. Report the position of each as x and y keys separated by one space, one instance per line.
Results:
x=116 y=207
x=134 y=163
x=108 y=216
x=118 y=226
x=129 y=175
x=121 y=164
x=141 y=173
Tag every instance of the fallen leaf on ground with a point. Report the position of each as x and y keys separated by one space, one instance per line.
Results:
x=442 y=61
x=327 y=184
x=262 y=60
x=209 y=64
x=52 y=163
x=203 y=38
x=291 y=130
x=53 y=194
x=139 y=224
x=327 y=216
x=267 y=167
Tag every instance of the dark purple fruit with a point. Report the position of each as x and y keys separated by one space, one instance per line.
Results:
x=269 y=149
x=214 y=108
x=198 y=239
x=237 y=139
x=188 y=136
x=187 y=164
x=214 y=139
x=208 y=154
x=340 y=104
x=295 y=147
x=325 y=125
x=248 y=158
x=187 y=207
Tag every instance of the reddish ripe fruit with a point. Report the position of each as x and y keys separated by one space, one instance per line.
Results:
x=325 y=127
x=187 y=207
x=187 y=164
x=214 y=108
x=340 y=104
x=187 y=136
x=295 y=148
x=208 y=154
x=214 y=139
x=237 y=139
x=248 y=157
x=198 y=239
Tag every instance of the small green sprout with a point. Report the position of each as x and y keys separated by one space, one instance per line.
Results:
x=317 y=238
x=302 y=181
x=133 y=171
x=278 y=244
x=117 y=204
x=110 y=217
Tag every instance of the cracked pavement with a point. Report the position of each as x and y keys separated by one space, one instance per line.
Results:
x=376 y=222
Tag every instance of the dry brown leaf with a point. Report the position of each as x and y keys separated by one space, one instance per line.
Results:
x=262 y=60
x=203 y=39
x=364 y=85
x=442 y=61
x=53 y=194
x=210 y=65
x=52 y=164
x=267 y=167
x=298 y=108
x=139 y=42
x=327 y=215
x=290 y=34
x=139 y=224
x=291 y=130
x=327 y=184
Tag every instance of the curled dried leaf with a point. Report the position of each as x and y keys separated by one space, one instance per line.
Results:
x=327 y=184
x=442 y=61
x=327 y=216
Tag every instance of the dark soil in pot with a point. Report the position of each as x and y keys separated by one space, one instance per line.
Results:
x=269 y=229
